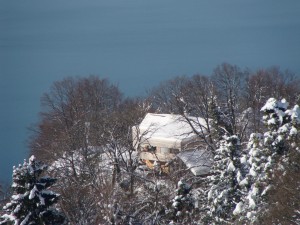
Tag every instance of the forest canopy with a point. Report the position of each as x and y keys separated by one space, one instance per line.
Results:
x=251 y=129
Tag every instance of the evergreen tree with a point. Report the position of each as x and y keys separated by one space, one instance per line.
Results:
x=183 y=203
x=270 y=156
x=257 y=180
x=278 y=124
x=228 y=173
x=283 y=140
x=31 y=200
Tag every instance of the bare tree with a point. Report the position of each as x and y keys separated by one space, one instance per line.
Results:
x=191 y=97
x=266 y=83
x=229 y=81
x=75 y=114
x=284 y=201
x=164 y=97
x=69 y=106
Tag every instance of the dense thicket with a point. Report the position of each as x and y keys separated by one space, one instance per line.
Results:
x=85 y=135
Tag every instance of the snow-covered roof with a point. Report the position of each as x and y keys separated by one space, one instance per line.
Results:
x=76 y=160
x=166 y=128
x=198 y=161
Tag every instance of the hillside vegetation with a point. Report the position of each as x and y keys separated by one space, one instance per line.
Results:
x=252 y=124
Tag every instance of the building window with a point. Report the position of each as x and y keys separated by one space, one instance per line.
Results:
x=151 y=148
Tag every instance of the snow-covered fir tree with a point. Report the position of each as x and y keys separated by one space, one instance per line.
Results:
x=268 y=154
x=32 y=200
x=278 y=124
x=182 y=203
x=283 y=139
x=225 y=189
x=257 y=180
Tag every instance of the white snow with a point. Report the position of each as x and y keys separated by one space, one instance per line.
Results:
x=293 y=131
x=271 y=121
x=251 y=202
x=253 y=172
x=180 y=183
x=238 y=208
x=254 y=191
x=167 y=128
x=254 y=152
x=239 y=177
x=283 y=129
x=280 y=138
x=231 y=167
x=33 y=192
x=178 y=213
x=250 y=215
x=243 y=160
x=17 y=197
x=279 y=107
x=177 y=197
x=9 y=204
x=280 y=114
x=17 y=209
x=25 y=221
x=9 y=217
x=283 y=104
x=295 y=114
x=42 y=200
x=266 y=190
x=48 y=192
x=198 y=161
x=75 y=161
x=210 y=193
x=175 y=204
x=32 y=158
x=270 y=104
x=244 y=182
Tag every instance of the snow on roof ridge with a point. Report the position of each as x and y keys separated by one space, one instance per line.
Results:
x=174 y=127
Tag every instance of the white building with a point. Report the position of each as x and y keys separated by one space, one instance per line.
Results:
x=159 y=138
